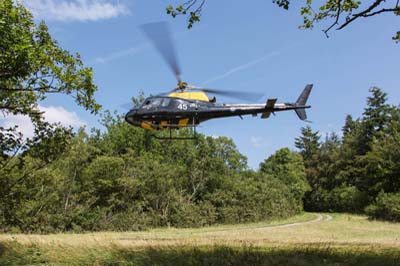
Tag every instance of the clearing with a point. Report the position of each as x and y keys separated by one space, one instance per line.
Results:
x=306 y=239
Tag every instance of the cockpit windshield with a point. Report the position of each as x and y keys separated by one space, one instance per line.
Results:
x=146 y=102
x=152 y=103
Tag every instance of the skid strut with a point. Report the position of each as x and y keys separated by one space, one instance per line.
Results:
x=171 y=137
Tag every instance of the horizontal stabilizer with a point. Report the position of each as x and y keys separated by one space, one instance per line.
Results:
x=269 y=108
x=301 y=113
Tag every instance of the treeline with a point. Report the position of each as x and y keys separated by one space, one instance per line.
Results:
x=359 y=171
x=122 y=179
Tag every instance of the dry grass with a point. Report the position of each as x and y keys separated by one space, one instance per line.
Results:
x=343 y=240
x=341 y=230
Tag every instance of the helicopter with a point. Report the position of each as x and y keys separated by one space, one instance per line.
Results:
x=188 y=106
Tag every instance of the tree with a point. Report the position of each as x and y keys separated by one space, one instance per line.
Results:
x=308 y=143
x=32 y=66
x=312 y=152
x=381 y=164
x=376 y=116
x=288 y=167
x=340 y=13
x=327 y=161
x=348 y=125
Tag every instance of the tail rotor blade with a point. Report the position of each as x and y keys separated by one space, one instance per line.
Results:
x=160 y=36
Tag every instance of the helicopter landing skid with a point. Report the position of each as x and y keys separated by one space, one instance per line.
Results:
x=194 y=137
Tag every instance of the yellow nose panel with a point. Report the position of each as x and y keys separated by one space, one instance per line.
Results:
x=146 y=126
x=183 y=122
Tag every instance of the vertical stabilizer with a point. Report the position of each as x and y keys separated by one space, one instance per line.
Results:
x=301 y=102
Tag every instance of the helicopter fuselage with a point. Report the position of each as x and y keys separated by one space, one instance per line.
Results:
x=166 y=112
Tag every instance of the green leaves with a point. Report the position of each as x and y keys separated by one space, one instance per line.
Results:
x=117 y=179
x=386 y=207
x=32 y=66
x=194 y=17
x=338 y=13
x=179 y=8
x=396 y=37
x=288 y=167
x=283 y=3
x=193 y=7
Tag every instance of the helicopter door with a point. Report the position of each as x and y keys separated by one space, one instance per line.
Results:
x=165 y=103
x=155 y=104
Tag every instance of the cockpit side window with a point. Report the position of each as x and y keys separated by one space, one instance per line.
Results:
x=156 y=102
x=165 y=102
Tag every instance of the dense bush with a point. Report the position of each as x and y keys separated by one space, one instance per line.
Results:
x=317 y=200
x=288 y=167
x=386 y=207
x=346 y=199
x=123 y=180
x=340 y=199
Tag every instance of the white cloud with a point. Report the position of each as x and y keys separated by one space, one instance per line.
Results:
x=75 y=10
x=258 y=142
x=52 y=114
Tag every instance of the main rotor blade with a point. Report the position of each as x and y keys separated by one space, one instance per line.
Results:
x=127 y=106
x=249 y=96
x=160 y=36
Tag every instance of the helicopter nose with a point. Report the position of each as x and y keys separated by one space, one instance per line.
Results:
x=130 y=117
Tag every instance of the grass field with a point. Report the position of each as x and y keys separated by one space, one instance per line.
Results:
x=307 y=239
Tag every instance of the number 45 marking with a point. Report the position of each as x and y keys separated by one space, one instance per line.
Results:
x=182 y=106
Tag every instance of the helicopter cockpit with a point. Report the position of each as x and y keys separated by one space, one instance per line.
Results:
x=151 y=103
x=154 y=103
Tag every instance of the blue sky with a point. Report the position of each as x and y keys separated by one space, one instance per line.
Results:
x=236 y=46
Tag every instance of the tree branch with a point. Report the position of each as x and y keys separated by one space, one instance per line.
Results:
x=12 y=156
x=20 y=110
x=361 y=14
x=339 y=9
x=381 y=11
x=38 y=89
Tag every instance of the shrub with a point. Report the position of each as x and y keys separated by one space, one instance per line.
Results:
x=317 y=200
x=346 y=199
x=193 y=215
x=386 y=207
